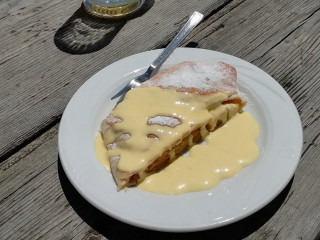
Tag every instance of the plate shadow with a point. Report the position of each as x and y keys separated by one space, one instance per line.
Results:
x=83 y=33
x=114 y=229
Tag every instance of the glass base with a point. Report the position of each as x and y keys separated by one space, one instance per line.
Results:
x=111 y=10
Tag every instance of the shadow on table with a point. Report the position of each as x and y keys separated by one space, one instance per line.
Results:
x=83 y=33
x=114 y=229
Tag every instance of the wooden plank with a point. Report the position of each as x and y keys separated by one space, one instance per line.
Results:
x=38 y=79
x=13 y=11
x=32 y=201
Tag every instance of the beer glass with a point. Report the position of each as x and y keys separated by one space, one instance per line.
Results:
x=112 y=8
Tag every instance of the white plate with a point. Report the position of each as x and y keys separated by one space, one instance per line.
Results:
x=255 y=186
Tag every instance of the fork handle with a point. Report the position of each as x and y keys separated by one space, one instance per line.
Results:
x=193 y=21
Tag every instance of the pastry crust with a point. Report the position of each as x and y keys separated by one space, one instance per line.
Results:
x=210 y=79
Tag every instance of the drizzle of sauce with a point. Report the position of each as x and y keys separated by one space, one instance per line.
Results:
x=140 y=104
x=226 y=152
x=170 y=117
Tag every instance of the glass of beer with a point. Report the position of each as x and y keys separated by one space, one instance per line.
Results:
x=112 y=8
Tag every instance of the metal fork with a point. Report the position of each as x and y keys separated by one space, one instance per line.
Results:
x=193 y=21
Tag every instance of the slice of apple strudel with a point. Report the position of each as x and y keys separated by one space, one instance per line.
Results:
x=167 y=115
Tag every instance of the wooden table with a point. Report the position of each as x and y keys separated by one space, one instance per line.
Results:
x=49 y=48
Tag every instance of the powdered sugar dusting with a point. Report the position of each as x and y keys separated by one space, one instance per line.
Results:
x=111 y=146
x=199 y=77
x=114 y=160
x=113 y=119
x=164 y=121
x=122 y=137
x=108 y=122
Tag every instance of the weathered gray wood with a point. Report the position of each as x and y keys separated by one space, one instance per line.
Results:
x=281 y=37
x=38 y=200
x=38 y=79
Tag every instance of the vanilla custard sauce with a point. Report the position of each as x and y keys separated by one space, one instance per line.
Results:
x=140 y=104
x=225 y=152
